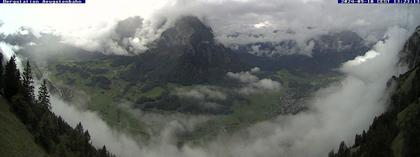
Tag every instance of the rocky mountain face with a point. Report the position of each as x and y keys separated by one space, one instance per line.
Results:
x=395 y=133
x=187 y=54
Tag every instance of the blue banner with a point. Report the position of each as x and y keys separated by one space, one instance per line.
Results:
x=42 y=1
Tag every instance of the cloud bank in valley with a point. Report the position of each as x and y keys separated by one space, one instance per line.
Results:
x=356 y=100
x=101 y=133
x=251 y=84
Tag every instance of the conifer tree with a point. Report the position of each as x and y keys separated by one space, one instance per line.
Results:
x=1 y=73
x=103 y=152
x=44 y=96
x=12 y=78
x=331 y=153
x=27 y=84
x=79 y=129
x=342 y=149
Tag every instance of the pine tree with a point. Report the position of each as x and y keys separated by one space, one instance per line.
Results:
x=331 y=153
x=1 y=73
x=87 y=136
x=46 y=132
x=342 y=150
x=12 y=78
x=44 y=96
x=27 y=84
x=79 y=129
x=103 y=152
x=23 y=110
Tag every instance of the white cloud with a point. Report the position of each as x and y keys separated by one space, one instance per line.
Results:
x=255 y=70
x=252 y=84
x=356 y=100
x=116 y=142
x=8 y=51
x=201 y=93
x=244 y=77
x=262 y=24
x=91 y=23
x=260 y=86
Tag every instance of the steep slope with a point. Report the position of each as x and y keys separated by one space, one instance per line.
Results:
x=15 y=139
x=30 y=124
x=396 y=132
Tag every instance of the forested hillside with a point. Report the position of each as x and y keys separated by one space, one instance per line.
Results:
x=29 y=128
x=396 y=132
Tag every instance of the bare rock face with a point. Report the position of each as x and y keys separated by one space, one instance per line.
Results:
x=187 y=54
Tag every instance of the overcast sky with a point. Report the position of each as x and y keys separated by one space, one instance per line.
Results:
x=291 y=19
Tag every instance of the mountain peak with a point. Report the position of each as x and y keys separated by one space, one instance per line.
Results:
x=187 y=31
x=190 y=54
x=191 y=22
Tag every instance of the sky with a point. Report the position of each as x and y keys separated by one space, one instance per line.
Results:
x=87 y=25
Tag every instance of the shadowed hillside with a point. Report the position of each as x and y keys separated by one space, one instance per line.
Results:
x=15 y=140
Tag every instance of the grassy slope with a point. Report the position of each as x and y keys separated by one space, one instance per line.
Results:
x=15 y=140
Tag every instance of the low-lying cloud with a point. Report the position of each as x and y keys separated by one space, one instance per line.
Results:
x=8 y=51
x=101 y=133
x=252 y=84
x=201 y=93
x=336 y=113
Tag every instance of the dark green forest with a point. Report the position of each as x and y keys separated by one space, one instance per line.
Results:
x=50 y=132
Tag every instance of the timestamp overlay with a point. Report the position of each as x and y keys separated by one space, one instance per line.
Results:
x=42 y=1
x=379 y=1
